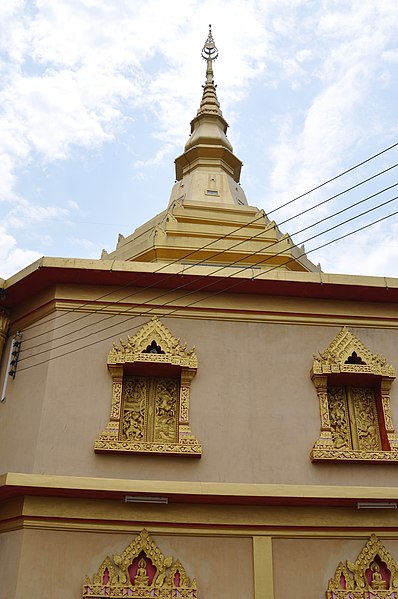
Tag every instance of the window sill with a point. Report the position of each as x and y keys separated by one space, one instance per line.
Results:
x=351 y=455
x=189 y=448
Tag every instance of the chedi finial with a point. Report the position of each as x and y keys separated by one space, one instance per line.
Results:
x=209 y=50
x=209 y=53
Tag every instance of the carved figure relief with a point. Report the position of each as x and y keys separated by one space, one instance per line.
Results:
x=135 y=409
x=353 y=387
x=150 y=414
x=374 y=575
x=367 y=426
x=339 y=419
x=150 y=409
x=353 y=418
x=165 y=410
x=141 y=571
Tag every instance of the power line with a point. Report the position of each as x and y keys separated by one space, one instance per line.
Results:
x=337 y=195
x=233 y=232
x=221 y=268
x=201 y=299
x=213 y=255
x=250 y=266
x=334 y=178
x=373 y=195
x=231 y=276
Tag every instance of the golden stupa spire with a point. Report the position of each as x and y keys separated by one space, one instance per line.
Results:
x=208 y=147
x=208 y=220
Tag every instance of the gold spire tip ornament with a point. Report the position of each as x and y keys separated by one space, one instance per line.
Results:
x=209 y=50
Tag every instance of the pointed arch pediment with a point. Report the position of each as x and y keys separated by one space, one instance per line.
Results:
x=341 y=579
x=140 y=571
x=177 y=576
x=336 y=357
x=105 y=573
x=373 y=571
x=142 y=543
x=135 y=349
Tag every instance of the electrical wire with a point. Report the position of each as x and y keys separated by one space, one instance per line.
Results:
x=212 y=295
x=178 y=260
x=334 y=178
x=212 y=257
x=213 y=282
x=337 y=195
x=221 y=268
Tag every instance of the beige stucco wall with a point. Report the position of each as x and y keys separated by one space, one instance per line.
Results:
x=22 y=413
x=253 y=406
x=56 y=562
x=10 y=561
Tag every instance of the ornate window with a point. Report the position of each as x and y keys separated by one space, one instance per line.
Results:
x=373 y=575
x=151 y=380
x=353 y=387
x=141 y=571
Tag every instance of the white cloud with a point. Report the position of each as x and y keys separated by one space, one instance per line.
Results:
x=309 y=152
x=78 y=71
x=166 y=150
x=73 y=205
x=73 y=63
x=390 y=56
x=23 y=214
x=369 y=252
x=90 y=247
x=14 y=32
x=12 y=258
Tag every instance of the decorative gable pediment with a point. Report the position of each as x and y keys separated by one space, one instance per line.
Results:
x=153 y=343
x=346 y=353
x=141 y=571
x=373 y=574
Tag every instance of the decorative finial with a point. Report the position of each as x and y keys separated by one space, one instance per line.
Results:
x=209 y=50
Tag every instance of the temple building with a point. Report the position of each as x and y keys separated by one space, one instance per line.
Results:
x=201 y=412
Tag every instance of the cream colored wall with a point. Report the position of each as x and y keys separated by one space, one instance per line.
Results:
x=10 y=556
x=21 y=416
x=253 y=406
x=57 y=562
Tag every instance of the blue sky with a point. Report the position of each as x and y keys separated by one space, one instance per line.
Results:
x=96 y=97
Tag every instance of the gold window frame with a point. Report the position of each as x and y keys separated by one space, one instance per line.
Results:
x=330 y=368
x=175 y=361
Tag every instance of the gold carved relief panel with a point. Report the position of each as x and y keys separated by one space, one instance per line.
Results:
x=374 y=575
x=353 y=418
x=353 y=388
x=141 y=571
x=150 y=411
